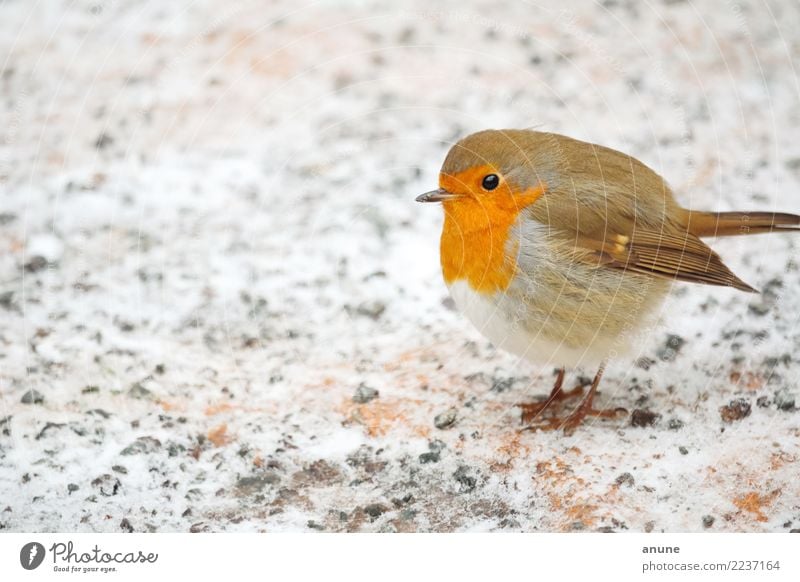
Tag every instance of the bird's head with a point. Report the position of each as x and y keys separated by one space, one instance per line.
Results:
x=488 y=176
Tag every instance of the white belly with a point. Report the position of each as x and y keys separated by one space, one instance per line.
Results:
x=492 y=317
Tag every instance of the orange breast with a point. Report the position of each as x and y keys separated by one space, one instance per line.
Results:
x=474 y=243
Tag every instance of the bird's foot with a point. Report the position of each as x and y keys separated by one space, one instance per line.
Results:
x=572 y=421
x=532 y=410
x=576 y=417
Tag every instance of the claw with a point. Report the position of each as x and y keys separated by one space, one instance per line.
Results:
x=576 y=417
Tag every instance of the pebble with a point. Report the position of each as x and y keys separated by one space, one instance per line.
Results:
x=671 y=348
x=625 y=479
x=255 y=484
x=675 y=424
x=371 y=309
x=430 y=457
x=107 y=485
x=365 y=394
x=466 y=482
x=139 y=392
x=641 y=418
x=42 y=250
x=142 y=445
x=375 y=510
x=785 y=400
x=445 y=419
x=32 y=397
x=735 y=410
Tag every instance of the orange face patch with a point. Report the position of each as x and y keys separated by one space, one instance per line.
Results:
x=476 y=229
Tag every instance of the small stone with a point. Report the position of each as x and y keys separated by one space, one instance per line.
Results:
x=735 y=410
x=193 y=494
x=445 y=419
x=645 y=363
x=407 y=499
x=478 y=378
x=785 y=401
x=43 y=250
x=671 y=348
x=625 y=479
x=649 y=526
x=139 y=392
x=72 y=488
x=125 y=525
x=675 y=424
x=408 y=514
x=430 y=457
x=107 y=485
x=32 y=397
x=763 y=402
x=375 y=510
x=371 y=309
x=199 y=527
x=365 y=394
x=7 y=299
x=35 y=263
x=466 y=482
x=642 y=418
x=708 y=521
x=103 y=141
x=119 y=469
x=683 y=450
x=255 y=484
x=501 y=385
x=99 y=412
x=436 y=445
x=142 y=445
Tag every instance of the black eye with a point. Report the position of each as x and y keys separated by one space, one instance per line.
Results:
x=490 y=182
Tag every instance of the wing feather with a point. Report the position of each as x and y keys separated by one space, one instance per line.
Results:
x=678 y=256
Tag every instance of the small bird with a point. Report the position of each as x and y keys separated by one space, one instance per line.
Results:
x=561 y=251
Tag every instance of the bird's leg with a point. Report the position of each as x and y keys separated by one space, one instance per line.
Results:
x=533 y=409
x=584 y=409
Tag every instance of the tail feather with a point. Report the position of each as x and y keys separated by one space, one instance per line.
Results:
x=737 y=223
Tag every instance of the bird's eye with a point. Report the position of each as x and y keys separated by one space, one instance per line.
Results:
x=490 y=182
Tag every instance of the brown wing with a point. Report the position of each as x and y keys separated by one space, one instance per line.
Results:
x=679 y=256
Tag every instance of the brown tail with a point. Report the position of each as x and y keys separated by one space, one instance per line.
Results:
x=736 y=223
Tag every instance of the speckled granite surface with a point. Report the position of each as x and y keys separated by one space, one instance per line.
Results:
x=222 y=311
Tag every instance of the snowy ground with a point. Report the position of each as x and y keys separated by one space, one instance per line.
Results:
x=210 y=256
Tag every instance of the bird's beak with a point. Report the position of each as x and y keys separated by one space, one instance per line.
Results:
x=437 y=195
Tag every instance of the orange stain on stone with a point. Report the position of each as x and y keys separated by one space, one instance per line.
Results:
x=377 y=418
x=476 y=228
x=219 y=435
x=754 y=503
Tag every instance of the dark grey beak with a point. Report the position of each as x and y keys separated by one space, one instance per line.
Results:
x=437 y=195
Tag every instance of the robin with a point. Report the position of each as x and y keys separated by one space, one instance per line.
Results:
x=561 y=251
